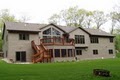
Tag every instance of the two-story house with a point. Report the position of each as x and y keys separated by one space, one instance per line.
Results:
x=30 y=42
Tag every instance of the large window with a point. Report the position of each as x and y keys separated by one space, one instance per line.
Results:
x=57 y=52
x=55 y=32
x=70 y=53
x=23 y=36
x=79 y=39
x=110 y=51
x=63 y=53
x=51 y=33
x=94 y=39
x=95 y=52
x=78 y=52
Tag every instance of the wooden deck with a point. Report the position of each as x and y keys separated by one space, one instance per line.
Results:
x=57 y=41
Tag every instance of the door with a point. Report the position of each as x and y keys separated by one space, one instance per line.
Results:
x=21 y=56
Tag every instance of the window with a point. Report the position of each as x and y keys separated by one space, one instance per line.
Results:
x=111 y=40
x=47 y=32
x=78 y=52
x=57 y=52
x=47 y=39
x=55 y=32
x=51 y=33
x=94 y=40
x=110 y=51
x=63 y=52
x=79 y=39
x=23 y=36
x=95 y=52
x=70 y=53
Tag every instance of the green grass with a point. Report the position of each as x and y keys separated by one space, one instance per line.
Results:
x=118 y=55
x=82 y=70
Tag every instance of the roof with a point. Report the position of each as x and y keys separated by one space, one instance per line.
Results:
x=33 y=27
x=18 y=26
x=97 y=32
x=90 y=31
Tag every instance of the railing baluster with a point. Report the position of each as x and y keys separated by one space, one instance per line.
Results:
x=57 y=41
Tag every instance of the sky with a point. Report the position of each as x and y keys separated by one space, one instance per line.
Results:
x=40 y=10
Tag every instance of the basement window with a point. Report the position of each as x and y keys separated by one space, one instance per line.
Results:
x=110 y=51
x=95 y=52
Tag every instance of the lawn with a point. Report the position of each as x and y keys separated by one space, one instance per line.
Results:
x=81 y=70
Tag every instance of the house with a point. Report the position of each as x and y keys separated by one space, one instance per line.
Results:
x=30 y=42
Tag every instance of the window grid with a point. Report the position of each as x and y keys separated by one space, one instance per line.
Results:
x=78 y=52
x=23 y=36
x=111 y=40
x=94 y=40
x=95 y=52
x=110 y=51
x=79 y=39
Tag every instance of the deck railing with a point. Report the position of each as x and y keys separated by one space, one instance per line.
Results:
x=57 y=41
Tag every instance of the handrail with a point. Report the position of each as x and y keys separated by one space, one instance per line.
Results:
x=34 y=45
x=40 y=50
x=56 y=40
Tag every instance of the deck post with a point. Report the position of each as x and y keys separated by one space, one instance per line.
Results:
x=67 y=52
x=60 y=53
x=63 y=41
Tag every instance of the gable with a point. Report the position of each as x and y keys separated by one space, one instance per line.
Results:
x=79 y=29
x=54 y=27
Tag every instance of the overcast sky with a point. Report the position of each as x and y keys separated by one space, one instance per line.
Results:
x=40 y=10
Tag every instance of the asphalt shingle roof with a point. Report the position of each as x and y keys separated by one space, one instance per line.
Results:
x=18 y=26
x=97 y=32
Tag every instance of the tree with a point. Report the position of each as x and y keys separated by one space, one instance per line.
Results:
x=70 y=16
x=99 y=18
x=113 y=21
x=24 y=18
x=88 y=19
x=117 y=42
x=5 y=16
x=81 y=17
x=55 y=18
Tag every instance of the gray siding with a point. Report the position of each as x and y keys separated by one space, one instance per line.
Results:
x=103 y=46
x=87 y=53
x=21 y=45
x=5 y=43
x=14 y=44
